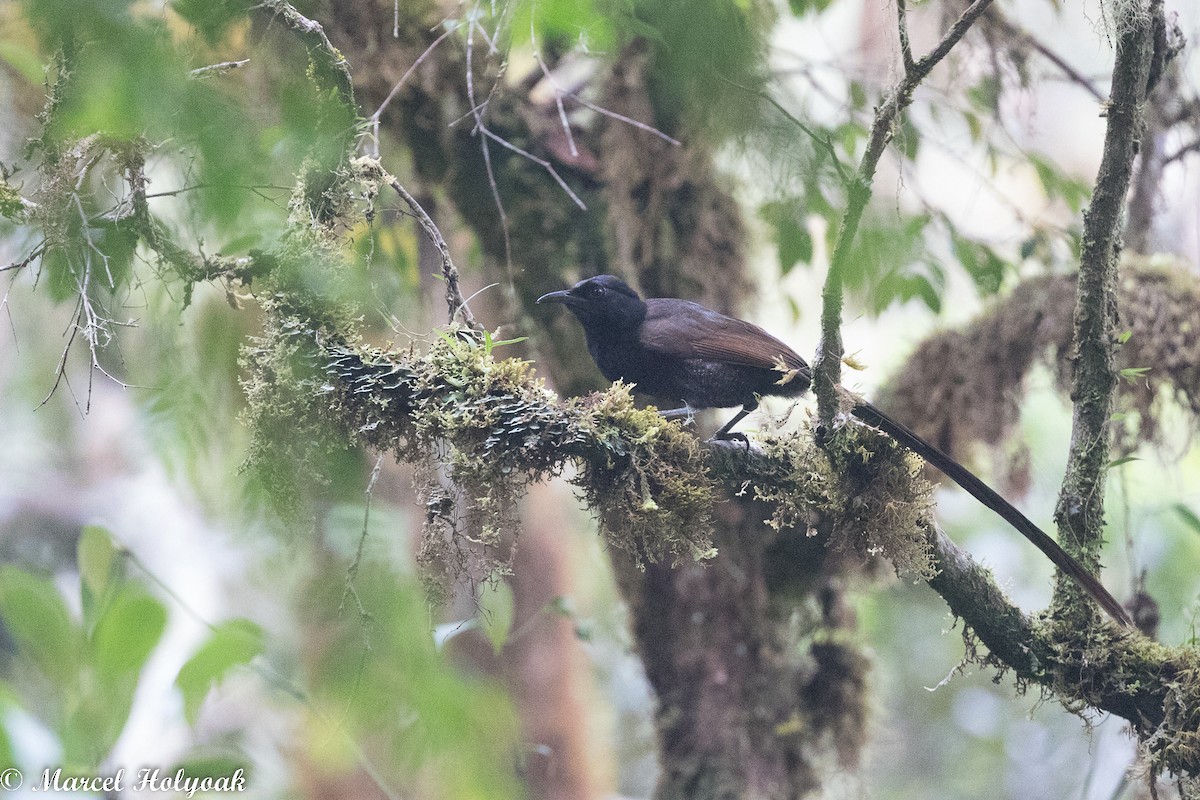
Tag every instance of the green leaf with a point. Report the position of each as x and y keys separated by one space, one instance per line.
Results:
x=1133 y=373
x=1188 y=516
x=802 y=7
x=211 y=17
x=127 y=633
x=981 y=262
x=1057 y=184
x=96 y=558
x=496 y=607
x=215 y=767
x=793 y=239
x=565 y=23
x=1123 y=460
x=38 y=621
x=60 y=275
x=909 y=138
x=231 y=644
x=858 y=96
x=985 y=95
x=95 y=554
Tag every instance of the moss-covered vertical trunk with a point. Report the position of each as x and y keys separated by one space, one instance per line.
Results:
x=1080 y=509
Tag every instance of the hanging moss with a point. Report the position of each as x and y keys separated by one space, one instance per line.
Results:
x=863 y=488
x=967 y=385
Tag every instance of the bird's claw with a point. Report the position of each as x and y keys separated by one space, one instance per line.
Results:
x=727 y=440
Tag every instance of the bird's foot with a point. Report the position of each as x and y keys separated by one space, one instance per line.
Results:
x=727 y=439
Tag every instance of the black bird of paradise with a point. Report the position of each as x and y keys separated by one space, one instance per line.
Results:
x=680 y=350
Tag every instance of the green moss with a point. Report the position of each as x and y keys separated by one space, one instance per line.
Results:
x=295 y=453
x=487 y=425
x=647 y=478
x=863 y=487
x=11 y=205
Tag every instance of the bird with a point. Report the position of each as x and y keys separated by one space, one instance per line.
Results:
x=679 y=350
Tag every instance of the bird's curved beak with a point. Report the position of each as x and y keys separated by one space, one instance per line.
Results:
x=565 y=297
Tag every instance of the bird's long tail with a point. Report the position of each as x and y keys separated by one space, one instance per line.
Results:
x=990 y=498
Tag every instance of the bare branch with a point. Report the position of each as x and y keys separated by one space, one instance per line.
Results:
x=558 y=96
x=374 y=120
x=1013 y=31
x=217 y=69
x=622 y=118
x=477 y=114
x=455 y=303
x=541 y=162
x=1133 y=678
x=328 y=57
x=1182 y=151
x=902 y=27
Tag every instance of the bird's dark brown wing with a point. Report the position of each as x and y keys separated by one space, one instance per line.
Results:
x=689 y=330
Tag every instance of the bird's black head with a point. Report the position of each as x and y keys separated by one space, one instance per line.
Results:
x=603 y=300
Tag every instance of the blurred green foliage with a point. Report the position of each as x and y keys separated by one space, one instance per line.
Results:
x=78 y=675
x=377 y=693
x=122 y=75
x=590 y=25
x=380 y=680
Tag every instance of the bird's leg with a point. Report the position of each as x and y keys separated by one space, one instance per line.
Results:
x=724 y=433
x=686 y=412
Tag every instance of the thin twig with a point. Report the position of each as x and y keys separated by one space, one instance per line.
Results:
x=541 y=162
x=350 y=590
x=558 y=96
x=1014 y=31
x=477 y=114
x=250 y=187
x=217 y=69
x=622 y=118
x=34 y=254
x=454 y=299
x=827 y=364
x=1182 y=151
x=374 y=120
x=824 y=142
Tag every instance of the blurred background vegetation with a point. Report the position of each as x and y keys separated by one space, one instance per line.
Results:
x=157 y=607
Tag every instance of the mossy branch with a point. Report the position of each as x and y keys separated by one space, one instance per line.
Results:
x=497 y=428
x=329 y=64
x=1080 y=509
